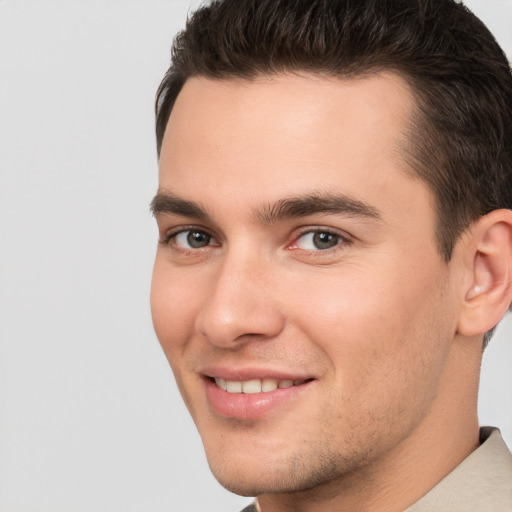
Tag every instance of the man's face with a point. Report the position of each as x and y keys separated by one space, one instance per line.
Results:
x=298 y=263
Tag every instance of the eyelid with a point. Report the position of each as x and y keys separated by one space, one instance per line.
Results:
x=172 y=233
x=345 y=238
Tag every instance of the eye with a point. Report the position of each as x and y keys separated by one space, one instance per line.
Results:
x=318 y=240
x=192 y=239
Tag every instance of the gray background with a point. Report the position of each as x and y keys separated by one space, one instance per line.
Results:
x=90 y=418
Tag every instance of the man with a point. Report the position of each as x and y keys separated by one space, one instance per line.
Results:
x=335 y=218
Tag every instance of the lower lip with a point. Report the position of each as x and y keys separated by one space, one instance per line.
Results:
x=251 y=405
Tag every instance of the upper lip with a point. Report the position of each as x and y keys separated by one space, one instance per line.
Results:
x=250 y=373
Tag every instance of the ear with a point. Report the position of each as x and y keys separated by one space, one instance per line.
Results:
x=488 y=288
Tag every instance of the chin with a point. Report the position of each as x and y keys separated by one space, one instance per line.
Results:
x=293 y=474
x=247 y=483
x=245 y=476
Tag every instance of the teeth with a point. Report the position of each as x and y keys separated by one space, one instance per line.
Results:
x=251 y=386
x=234 y=386
x=221 y=383
x=269 y=384
x=255 y=385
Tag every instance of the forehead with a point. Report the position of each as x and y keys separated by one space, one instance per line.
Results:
x=365 y=93
x=284 y=135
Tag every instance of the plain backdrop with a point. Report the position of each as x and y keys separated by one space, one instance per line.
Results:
x=90 y=417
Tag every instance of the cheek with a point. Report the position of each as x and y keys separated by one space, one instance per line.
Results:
x=382 y=353
x=175 y=300
x=350 y=307
x=375 y=328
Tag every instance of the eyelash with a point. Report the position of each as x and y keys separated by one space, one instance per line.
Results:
x=342 y=240
x=169 y=238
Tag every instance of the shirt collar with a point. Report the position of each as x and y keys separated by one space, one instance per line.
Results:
x=482 y=481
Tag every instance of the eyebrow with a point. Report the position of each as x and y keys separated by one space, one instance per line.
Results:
x=166 y=202
x=327 y=203
x=293 y=207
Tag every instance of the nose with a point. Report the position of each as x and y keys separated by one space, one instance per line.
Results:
x=242 y=305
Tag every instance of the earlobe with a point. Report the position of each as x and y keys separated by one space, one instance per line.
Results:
x=490 y=290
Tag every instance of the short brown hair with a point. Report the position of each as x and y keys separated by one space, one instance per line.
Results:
x=461 y=134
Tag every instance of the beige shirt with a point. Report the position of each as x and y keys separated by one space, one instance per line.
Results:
x=480 y=483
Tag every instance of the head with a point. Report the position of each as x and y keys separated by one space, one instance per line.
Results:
x=395 y=117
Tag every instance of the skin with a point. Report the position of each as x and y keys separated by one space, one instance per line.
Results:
x=373 y=321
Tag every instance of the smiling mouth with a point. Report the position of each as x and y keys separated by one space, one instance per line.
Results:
x=256 y=385
x=252 y=398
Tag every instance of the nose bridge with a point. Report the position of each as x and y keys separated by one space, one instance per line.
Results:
x=240 y=304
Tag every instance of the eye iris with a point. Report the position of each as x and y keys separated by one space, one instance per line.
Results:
x=197 y=239
x=324 y=240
